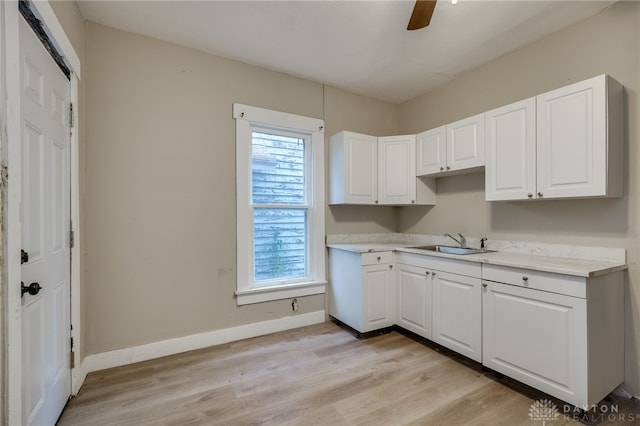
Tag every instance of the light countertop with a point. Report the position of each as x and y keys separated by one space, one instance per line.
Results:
x=560 y=265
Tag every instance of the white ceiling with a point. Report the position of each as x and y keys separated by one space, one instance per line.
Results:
x=360 y=46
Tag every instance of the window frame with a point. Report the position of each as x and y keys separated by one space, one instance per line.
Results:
x=248 y=119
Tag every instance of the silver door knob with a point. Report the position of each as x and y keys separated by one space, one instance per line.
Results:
x=530 y=195
x=441 y=168
x=485 y=285
x=448 y=168
x=525 y=279
x=539 y=194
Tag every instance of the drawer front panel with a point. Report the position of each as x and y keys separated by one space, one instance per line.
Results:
x=454 y=266
x=537 y=280
x=375 y=258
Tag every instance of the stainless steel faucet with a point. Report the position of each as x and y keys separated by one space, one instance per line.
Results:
x=462 y=241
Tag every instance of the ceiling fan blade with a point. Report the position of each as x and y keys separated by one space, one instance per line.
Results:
x=421 y=15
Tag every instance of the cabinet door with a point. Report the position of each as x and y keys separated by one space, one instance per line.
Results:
x=378 y=296
x=354 y=162
x=572 y=140
x=538 y=338
x=510 y=171
x=397 y=170
x=465 y=143
x=414 y=299
x=431 y=151
x=457 y=313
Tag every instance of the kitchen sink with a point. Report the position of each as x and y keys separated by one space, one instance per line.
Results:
x=453 y=250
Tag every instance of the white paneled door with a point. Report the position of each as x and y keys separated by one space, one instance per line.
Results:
x=45 y=212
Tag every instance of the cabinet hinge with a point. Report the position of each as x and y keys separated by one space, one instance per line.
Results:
x=70 y=114
x=71 y=239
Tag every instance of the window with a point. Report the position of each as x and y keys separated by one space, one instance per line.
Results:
x=280 y=204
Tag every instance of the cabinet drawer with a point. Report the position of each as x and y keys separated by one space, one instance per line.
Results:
x=537 y=280
x=454 y=266
x=375 y=258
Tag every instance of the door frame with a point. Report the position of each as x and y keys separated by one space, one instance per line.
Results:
x=11 y=150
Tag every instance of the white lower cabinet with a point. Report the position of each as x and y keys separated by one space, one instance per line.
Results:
x=378 y=295
x=414 y=299
x=567 y=345
x=457 y=313
x=561 y=334
x=441 y=299
x=362 y=293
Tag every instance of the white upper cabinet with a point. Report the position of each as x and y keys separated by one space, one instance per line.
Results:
x=431 y=151
x=579 y=140
x=465 y=143
x=451 y=148
x=369 y=170
x=354 y=163
x=561 y=144
x=510 y=172
x=397 y=170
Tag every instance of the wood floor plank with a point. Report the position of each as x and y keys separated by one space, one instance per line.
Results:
x=316 y=375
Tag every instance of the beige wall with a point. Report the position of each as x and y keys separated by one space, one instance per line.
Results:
x=160 y=212
x=607 y=43
x=71 y=20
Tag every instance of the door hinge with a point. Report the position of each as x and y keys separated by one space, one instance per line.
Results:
x=70 y=114
x=72 y=356
x=4 y=176
x=72 y=239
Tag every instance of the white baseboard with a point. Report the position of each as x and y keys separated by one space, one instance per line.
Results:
x=178 y=345
x=620 y=391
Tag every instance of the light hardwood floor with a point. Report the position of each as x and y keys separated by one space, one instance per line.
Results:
x=317 y=375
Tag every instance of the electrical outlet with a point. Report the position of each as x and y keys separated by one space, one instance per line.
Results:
x=294 y=305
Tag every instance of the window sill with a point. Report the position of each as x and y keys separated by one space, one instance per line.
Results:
x=257 y=295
